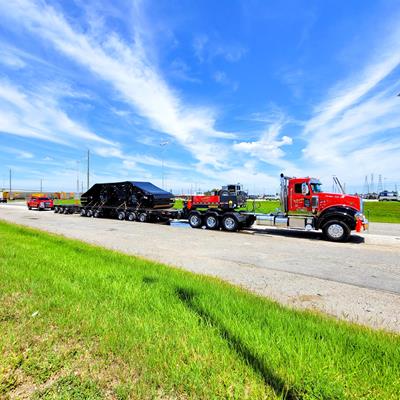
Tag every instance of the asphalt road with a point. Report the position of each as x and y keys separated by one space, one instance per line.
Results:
x=358 y=281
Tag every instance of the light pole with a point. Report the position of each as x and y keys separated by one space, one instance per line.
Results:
x=163 y=144
x=41 y=186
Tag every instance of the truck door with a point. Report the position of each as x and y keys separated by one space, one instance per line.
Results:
x=300 y=198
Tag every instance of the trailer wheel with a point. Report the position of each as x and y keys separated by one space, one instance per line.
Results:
x=83 y=212
x=336 y=231
x=212 y=221
x=97 y=214
x=89 y=213
x=230 y=223
x=142 y=217
x=121 y=215
x=55 y=210
x=132 y=216
x=195 y=220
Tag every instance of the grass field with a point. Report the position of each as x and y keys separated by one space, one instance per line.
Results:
x=66 y=201
x=383 y=211
x=81 y=322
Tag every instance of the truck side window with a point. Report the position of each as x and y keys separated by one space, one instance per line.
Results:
x=297 y=188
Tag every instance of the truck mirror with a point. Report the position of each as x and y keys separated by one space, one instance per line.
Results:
x=304 y=189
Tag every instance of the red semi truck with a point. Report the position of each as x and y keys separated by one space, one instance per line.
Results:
x=303 y=206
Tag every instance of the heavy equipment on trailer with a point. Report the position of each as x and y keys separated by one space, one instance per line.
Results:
x=141 y=201
x=304 y=206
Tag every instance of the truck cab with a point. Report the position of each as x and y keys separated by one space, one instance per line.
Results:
x=306 y=206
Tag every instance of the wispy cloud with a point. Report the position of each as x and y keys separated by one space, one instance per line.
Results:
x=132 y=75
x=268 y=148
x=347 y=127
x=207 y=48
x=33 y=114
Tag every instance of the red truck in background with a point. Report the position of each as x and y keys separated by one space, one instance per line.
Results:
x=40 y=202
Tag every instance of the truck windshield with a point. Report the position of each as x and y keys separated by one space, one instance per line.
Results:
x=316 y=187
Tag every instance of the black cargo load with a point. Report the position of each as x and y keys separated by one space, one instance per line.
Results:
x=139 y=195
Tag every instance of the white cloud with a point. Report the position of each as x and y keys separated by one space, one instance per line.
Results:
x=351 y=130
x=129 y=71
x=35 y=115
x=268 y=148
x=206 y=49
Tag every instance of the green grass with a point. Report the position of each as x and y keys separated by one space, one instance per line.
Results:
x=58 y=202
x=383 y=211
x=83 y=322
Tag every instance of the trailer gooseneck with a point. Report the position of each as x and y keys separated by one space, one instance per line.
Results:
x=304 y=206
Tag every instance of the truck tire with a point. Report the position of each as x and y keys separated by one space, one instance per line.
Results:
x=89 y=213
x=121 y=216
x=97 y=214
x=195 y=220
x=29 y=208
x=131 y=216
x=230 y=223
x=212 y=221
x=55 y=209
x=142 y=217
x=336 y=231
x=83 y=212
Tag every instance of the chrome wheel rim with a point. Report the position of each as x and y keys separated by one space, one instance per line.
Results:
x=211 y=222
x=336 y=231
x=194 y=220
x=229 y=223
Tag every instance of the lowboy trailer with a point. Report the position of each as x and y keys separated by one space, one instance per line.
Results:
x=304 y=206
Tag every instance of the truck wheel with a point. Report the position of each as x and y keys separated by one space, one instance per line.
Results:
x=142 y=217
x=89 y=213
x=83 y=212
x=131 y=216
x=97 y=214
x=121 y=215
x=195 y=220
x=336 y=231
x=56 y=210
x=212 y=221
x=29 y=208
x=230 y=223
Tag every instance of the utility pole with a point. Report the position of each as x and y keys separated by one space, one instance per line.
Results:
x=77 y=177
x=9 y=195
x=88 y=165
x=41 y=186
x=163 y=144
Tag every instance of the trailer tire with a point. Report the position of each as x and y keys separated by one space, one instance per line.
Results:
x=83 y=212
x=55 y=210
x=121 y=216
x=131 y=216
x=97 y=214
x=230 y=223
x=142 y=217
x=195 y=220
x=212 y=221
x=89 y=213
x=336 y=231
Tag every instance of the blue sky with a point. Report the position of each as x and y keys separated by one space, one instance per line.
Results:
x=238 y=91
